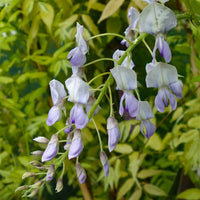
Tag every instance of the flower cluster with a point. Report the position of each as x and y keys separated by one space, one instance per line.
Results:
x=155 y=19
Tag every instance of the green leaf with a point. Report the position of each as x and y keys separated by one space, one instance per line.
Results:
x=155 y=142
x=123 y=148
x=125 y=188
x=46 y=14
x=28 y=6
x=153 y=190
x=5 y=79
x=136 y=195
x=194 y=122
x=111 y=8
x=146 y=173
x=196 y=79
x=189 y=194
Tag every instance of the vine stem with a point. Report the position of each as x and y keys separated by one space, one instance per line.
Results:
x=108 y=81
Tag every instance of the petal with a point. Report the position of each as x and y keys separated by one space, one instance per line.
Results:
x=145 y=111
x=76 y=146
x=149 y=67
x=57 y=91
x=125 y=78
x=177 y=88
x=121 y=108
x=156 y=18
x=104 y=162
x=78 y=116
x=150 y=128
x=54 y=115
x=159 y=101
x=78 y=89
x=172 y=99
x=133 y=15
x=161 y=76
x=164 y=49
x=81 y=174
x=78 y=59
x=154 y=50
x=132 y=104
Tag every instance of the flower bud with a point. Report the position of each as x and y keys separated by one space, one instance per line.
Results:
x=37 y=153
x=50 y=172
x=41 y=139
x=76 y=145
x=81 y=173
x=104 y=162
x=23 y=187
x=68 y=143
x=37 y=184
x=37 y=164
x=33 y=193
x=52 y=149
x=113 y=133
x=27 y=175
x=59 y=185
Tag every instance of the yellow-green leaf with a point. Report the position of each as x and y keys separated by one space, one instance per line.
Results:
x=155 y=142
x=194 y=122
x=111 y=8
x=145 y=173
x=123 y=148
x=46 y=14
x=5 y=79
x=125 y=188
x=136 y=195
x=28 y=6
x=153 y=190
x=193 y=193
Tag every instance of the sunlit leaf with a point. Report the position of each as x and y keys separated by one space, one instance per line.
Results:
x=193 y=193
x=154 y=190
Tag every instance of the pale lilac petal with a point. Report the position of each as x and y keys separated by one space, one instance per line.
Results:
x=113 y=133
x=54 y=115
x=164 y=49
x=78 y=116
x=57 y=91
x=68 y=143
x=76 y=146
x=81 y=174
x=90 y=103
x=161 y=75
x=145 y=111
x=154 y=50
x=150 y=128
x=50 y=172
x=125 y=78
x=149 y=67
x=78 y=89
x=131 y=105
x=104 y=162
x=51 y=150
x=177 y=88
x=121 y=107
x=78 y=58
x=159 y=101
x=172 y=99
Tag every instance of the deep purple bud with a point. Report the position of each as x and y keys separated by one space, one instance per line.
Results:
x=41 y=139
x=59 y=185
x=104 y=162
x=52 y=149
x=113 y=133
x=50 y=172
x=76 y=145
x=81 y=173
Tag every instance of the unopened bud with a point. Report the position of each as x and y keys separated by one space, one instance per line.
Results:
x=59 y=185
x=23 y=187
x=33 y=193
x=68 y=143
x=27 y=175
x=50 y=172
x=41 y=139
x=37 y=184
x=104 y=162
x=81 y=174
x=37 y=153
x=37 y=164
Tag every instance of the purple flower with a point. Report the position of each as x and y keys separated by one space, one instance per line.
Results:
x=81 y=174
x=90 y=103
x=78 y=89
x=76 y=146
x=145 y=113
x=57 y=94
x=77 y=54
x=104 y=162
x=166 y=80
x=41 y=139
x=50 y=172
x=131 y=104
x=157 y=19
x=68 y=143
x=151 y=1
x=113 y=133
x=52 y=149
x=127 y=62
x=133 y=16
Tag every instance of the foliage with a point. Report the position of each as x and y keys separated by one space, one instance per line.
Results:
x=35 y=39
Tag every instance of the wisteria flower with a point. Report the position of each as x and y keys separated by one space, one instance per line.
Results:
x=51 y=149
x=57 y=94
x=166 y=80
x=81 y=173
x=68 y=143
x=151 y=1
x=133 y=16
x=77 y=54
x=76 y=146
x=145 y=114
x=50 y=172
x=157 y=19
x=104 y=162
x=113 y=133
